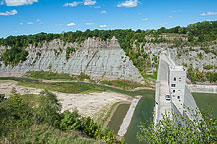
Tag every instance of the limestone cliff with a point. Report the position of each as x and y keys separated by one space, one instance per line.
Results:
x=99 y=59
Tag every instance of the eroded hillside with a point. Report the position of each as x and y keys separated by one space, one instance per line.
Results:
x=114 y=54
x=99 y=59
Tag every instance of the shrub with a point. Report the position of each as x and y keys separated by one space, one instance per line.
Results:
x=14 y=112
x=180 y=130
x=69 y=50
x=48 y=108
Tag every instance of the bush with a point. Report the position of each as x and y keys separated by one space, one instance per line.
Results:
x=48 y=109
x=44 y=123
x=180 y=130
x=14 y=112
x=69 y=50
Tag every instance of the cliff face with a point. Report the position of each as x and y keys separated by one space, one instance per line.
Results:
x=99 y=59
x=186 y=55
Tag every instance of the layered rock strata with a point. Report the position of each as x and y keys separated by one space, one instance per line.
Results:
x=99 y=59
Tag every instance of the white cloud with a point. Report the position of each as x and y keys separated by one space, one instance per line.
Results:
x=74 y=4
x=170 y=16
x=71 y=24
x=21 y=23
x=85 y=2
x=103 y=26
x=19 y=2
x=103 y=12
x=29 y=23
x=145 y=19
x=59 y=25
x=128 y=3
x=38 y=20
x=89 y=24
x=97 y=6
x=7 y=13
x=164 y=24
x=89 y=2
x=208 y=13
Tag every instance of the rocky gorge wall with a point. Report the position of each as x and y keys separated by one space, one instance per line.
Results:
x=99 y=59
x=188 y=55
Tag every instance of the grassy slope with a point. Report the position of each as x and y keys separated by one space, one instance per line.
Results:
x=79 y=87
x=65 y=87
x=47 y=134
x=122 y=84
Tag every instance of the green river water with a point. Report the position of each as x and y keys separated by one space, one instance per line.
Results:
x=144 y=112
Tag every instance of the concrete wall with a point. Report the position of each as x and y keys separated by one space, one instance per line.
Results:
x=177 y=77
x=203 y=88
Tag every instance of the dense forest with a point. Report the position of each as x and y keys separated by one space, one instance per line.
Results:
x=201 y=33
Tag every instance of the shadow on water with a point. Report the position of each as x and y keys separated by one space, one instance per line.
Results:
x=118 y=117
x=143 y=113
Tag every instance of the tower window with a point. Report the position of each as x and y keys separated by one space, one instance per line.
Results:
x=173 y=85
x=180 y=79
x=174 y=78
x=174 y=91
x=178 y=97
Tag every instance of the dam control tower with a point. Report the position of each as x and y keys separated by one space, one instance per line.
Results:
x=172 y=95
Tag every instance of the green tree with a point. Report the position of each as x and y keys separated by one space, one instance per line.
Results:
x=180 y=130
x=14 y=113
x=48 y=109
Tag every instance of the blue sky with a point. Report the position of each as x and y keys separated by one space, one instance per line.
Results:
x=19 y=17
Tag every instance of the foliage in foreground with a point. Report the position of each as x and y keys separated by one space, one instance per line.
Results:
x=180 y=130
x=44 y=123
x=44 y=133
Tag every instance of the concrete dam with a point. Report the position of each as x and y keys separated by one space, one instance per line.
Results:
x=172 y=95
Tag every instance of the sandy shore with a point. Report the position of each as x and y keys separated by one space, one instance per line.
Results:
x=86 y=104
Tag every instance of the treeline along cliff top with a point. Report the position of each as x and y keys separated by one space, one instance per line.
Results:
x=200 y=38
